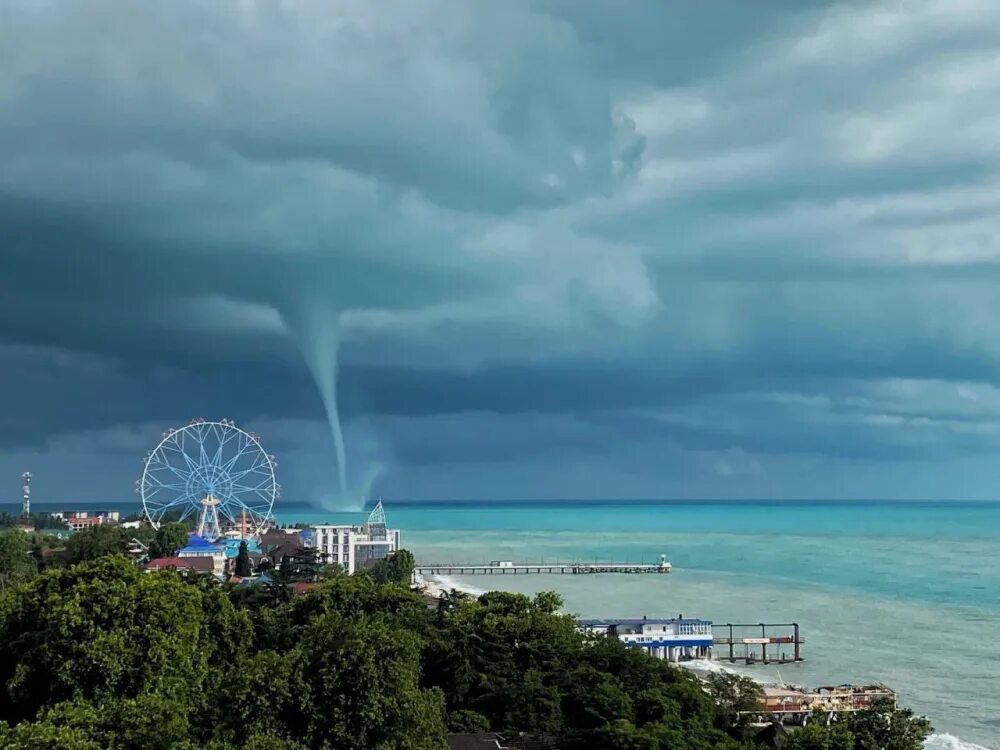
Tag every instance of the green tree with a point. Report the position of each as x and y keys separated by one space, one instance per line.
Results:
x=42 y=550
x=169 y=538
x=96 y=541
x=885 y=727
x=594 y=699
x=817 y=735
x=503 y=656
x=17 y=565
x=466 y=721
x=49 y=522
x=243 y=567
x=105 y=630
x=46 y=734
x=330 y=570
x=302 y=566
x=364 y=675
x=151 y=721
x=397 y=568
x=735 y=696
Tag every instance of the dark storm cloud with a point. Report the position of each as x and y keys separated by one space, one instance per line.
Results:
x=547 y=232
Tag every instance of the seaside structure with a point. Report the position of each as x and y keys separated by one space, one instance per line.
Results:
x=354 y=547
x=792 y=704
x=509 y=567
x=760 y=642
x=675 y=639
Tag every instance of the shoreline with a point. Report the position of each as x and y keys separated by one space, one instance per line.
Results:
x=436 y=586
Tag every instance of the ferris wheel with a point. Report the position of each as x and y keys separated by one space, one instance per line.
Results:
x=212 y=473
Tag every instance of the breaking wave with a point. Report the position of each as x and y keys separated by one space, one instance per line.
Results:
x=448 y=583
x=950 y=742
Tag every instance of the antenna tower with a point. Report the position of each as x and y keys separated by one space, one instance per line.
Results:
x=26 y=494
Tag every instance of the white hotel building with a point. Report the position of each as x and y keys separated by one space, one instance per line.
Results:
x=355 y=547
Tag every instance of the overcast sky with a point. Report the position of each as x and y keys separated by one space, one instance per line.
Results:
x=568 y=249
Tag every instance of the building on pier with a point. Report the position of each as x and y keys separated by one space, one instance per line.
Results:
x=676 y=639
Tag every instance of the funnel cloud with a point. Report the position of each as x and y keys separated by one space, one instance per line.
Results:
x=315 y=324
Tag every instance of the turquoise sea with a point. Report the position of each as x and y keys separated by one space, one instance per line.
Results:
x=903 y=593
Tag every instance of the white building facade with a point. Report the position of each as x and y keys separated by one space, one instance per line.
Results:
x=675 y=639
x=355 y=547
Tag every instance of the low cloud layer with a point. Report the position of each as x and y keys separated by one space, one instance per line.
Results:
x=565 y=250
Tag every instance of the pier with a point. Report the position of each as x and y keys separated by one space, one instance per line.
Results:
x=537 y=568
x=749 y=643
x=508 y=567
x=680 y=639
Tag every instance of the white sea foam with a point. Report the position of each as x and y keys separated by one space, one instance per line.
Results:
x=447 y=583
x=950 y=742
x=704 y=665
x=707 y=666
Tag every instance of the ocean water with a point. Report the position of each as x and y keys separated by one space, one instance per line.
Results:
x=903 y=593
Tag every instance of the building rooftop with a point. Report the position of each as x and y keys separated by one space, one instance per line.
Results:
x=196 y=541
x=232 y=546
x=259 y=580
x=635 y=622
x=201 y=564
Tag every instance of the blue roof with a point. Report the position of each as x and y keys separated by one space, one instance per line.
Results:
x=233 y=546
x=195 y=541
x=603 y=623
x=199 y=545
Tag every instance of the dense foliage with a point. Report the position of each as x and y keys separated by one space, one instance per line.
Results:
x=243 y=567
x=165 y=541
x=397 y=568
x=103 y=655
x=38 y=521
x=16 y=564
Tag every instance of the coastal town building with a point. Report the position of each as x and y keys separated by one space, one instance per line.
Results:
x=675 y=639
x=355 y=547
x=191 y=564
x=277 y=544
x=222 y=552
x=794 y=705
x=84 y=519
x=200 y=547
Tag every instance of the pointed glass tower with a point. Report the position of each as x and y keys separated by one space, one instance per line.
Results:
x=375 y=525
